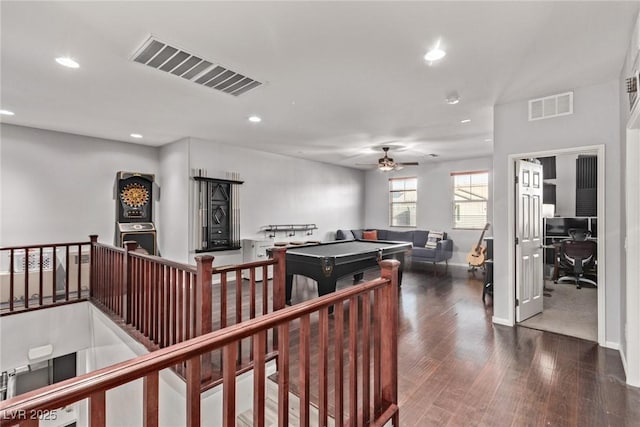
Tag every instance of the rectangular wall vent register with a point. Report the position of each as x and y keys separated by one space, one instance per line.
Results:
x=551 y=106
x=170 y=59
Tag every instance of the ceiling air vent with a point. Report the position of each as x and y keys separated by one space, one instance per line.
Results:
x=170 y=59
x=551 y=106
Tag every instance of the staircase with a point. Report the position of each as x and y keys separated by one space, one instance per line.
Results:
x=245 y=419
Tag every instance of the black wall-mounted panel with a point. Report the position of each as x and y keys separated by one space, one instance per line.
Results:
x=548 y=167
x=587 y=186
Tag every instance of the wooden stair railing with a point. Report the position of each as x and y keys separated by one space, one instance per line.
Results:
x=161 y=302
x=41 y=276
x=370 y=355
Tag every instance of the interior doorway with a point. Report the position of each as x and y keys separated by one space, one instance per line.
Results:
x=569 y=306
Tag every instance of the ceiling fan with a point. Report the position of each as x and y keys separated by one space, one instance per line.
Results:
x=386 y=163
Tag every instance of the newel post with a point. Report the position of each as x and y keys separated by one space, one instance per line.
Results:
x=279 y=277
x=389 y=333
x=129 y=246
x=93 y=238
x=203 y=294
x=203 y=305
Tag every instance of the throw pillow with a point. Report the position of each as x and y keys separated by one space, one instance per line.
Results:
x=433 y=239
x=370 y=235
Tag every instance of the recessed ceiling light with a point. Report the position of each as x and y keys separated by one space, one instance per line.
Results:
x=465 y=121
x=255 y=119
x=67 y=62
x=136 y=135
x=435 y=54
x=7 y=113
x=452 y=98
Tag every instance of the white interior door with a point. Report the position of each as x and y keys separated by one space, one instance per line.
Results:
x=529 y=263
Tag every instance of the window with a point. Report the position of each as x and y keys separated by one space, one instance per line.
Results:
x=470 y=195
x=403 y=198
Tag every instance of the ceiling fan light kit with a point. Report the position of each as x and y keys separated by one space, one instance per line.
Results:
x=387 y=163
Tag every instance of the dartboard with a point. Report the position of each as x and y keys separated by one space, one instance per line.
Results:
x=134 y=195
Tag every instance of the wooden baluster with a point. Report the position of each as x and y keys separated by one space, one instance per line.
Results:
x=41 y=278
x=54 y=269
x=26 y=278
x=259 y=343
x=283 y=375
x=193 y=392
x=79 y=271
x=164 y=306
x=66 y=272
x=377 y=343
x=366 y=359
x=11 y=280
x=204 y=305
x=188 y=333
x=127 y=280
x=151 y=399
x=252 y=303
x=323 y=366
x=97 y=409
x=303 y=373
x=229 y=385
x=353 y=358
x=180 y=314
x=389 y=335
x=93 y=238
x=239 y=310
x=173 y=319
x=338 y=325
x=265 y=289
x=223 y=300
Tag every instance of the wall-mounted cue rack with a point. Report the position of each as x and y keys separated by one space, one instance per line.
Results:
x=218 y=216
x=288 y=230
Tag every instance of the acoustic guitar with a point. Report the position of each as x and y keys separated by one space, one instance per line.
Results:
x=478 y=253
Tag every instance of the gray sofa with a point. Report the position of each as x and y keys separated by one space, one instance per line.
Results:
x=442 y=252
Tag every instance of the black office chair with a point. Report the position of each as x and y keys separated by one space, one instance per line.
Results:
x=578 y=258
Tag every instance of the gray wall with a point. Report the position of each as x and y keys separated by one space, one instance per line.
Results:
x=59 y=187
x=435 y=203
x=595 y=121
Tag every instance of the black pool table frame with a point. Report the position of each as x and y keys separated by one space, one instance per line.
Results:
x=327 y=262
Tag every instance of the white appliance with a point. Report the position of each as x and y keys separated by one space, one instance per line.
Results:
x=256 y=250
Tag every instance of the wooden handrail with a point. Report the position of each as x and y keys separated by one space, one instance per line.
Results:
x=36 y=288
x=44 y=245
x=98 y=382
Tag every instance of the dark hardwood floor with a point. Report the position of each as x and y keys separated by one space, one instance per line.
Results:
x=458 y=369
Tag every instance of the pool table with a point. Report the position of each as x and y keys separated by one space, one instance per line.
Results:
x=327 y=262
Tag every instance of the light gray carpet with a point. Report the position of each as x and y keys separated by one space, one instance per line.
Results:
x=568 y=311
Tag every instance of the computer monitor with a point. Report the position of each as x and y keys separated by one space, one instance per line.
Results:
x=560 y=226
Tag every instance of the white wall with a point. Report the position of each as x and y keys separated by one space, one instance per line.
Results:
x=173 y=227
x=595 y=121
x=59 y=187
x=435 y=201
x=65 y=327
x=565 y=185
x=277 y=190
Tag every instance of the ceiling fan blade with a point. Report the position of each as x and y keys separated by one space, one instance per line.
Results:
x=367 y=164
x=408 y=163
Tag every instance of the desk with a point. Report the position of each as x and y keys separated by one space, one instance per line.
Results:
x=327 y=262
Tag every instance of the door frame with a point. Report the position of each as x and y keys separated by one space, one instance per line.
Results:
x=599 y=150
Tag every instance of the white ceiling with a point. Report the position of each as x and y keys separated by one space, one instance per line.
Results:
x=343 y=78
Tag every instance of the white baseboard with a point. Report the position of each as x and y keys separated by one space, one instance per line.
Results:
x=624 y=363
x=612 y=345
x=501 y=321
